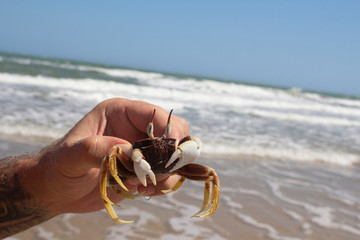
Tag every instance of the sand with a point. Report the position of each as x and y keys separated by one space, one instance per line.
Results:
x=260 y=199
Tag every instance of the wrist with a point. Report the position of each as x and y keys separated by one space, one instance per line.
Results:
x=32 y=175
x=22 y=201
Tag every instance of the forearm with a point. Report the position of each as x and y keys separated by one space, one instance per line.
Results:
x=20 y=209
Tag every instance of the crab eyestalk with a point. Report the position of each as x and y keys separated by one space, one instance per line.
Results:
x=150 y=127
x=168 y=127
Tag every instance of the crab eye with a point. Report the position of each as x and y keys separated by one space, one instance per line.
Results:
x=167 y=131
x=150 y=130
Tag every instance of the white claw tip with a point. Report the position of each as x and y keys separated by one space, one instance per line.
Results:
x=197 y=140
x=142 y=168
x=186 y=152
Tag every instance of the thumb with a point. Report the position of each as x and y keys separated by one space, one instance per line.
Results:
x=89 y=152
x=100 y=146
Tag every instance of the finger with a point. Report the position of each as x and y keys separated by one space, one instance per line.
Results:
x=140 y=113
x=164 y=184
x=92 y=124
x=80 y=157
x=97 y=147
x=126 y=119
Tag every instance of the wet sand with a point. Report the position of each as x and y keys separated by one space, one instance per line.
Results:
x=260 y=199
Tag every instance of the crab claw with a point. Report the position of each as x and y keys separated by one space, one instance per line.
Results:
x=186 y=152
x=142 y=167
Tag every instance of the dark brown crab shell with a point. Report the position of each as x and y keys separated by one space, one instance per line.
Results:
x=157 y=152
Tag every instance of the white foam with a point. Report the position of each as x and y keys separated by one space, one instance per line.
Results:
x=300 y=153
x=294 y=215
x=248 y=96
x=114 y=72
x=45 y=234
x=335 y=101
x=161 y=80
x=72 y=230
x=134 y=230
x=321 y=215
x=304 y=118
x=231 y=95
x=182 y=224
x=140 y=75
x=217 y=120
x=271 y=231
x=325 y=218
x=24 y=61
x=31 y=130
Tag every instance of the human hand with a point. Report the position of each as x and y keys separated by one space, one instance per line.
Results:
x=71 y=166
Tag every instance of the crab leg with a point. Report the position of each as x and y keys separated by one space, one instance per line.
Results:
x=127 y=194
x=116 y=151
x=214 y=202
x=176 y=187
x=202 y=173
x=113 y=215
x=206 y=198
x=107 y=202
x=103 y=179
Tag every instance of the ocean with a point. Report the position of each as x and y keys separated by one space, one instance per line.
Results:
x=288 y=158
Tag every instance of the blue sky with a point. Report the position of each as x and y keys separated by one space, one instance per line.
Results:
x=308 y=44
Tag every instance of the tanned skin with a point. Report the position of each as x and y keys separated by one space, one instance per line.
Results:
x=19 y=210
x=64 y=177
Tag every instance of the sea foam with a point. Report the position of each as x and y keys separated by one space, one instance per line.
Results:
x=230 y=118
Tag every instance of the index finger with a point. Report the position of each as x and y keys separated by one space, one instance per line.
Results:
x=142 y=114
x=129 y=120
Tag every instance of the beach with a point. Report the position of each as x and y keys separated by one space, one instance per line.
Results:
x=260 y=199
x=288 y=159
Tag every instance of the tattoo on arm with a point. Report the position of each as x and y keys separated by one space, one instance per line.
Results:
x=18 y=209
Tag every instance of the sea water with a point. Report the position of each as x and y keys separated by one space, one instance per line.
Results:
x=287 y=159
x=41 y=97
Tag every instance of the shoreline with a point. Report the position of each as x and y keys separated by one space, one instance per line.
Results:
x=19 y=145
x=260 y=199
x=16 y=145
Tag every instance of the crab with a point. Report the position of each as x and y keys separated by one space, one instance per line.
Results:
x=153 y=156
